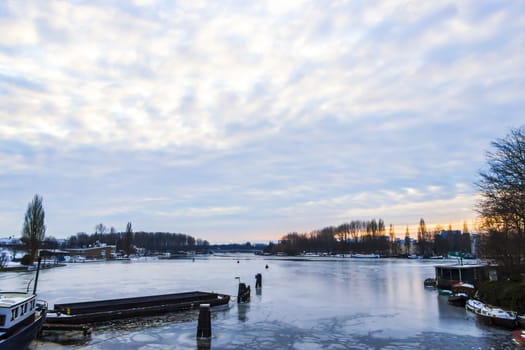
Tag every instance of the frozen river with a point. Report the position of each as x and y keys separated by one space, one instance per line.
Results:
x=304 y=304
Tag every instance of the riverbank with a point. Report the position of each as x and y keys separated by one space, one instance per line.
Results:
x=509 y=295
x=17 y=267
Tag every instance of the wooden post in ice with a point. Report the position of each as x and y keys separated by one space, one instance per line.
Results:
x=204 y=326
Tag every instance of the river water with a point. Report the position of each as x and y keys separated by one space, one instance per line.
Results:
x=307 y=304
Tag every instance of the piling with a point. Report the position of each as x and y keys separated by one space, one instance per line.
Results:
x=258 y=281
x=204 y=325
x=243 y=294
x=37 y=273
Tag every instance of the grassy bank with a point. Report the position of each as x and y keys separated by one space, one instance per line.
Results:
x=14 y=269
x=509 y=295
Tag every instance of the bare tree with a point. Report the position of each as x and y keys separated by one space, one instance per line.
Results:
x=128 y=239
x=392 y=236
x=424 y=237
x=502 y=204
x=34 y=229
x=407 y=241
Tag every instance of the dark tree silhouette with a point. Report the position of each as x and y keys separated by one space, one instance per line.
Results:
x=128 y=239
x=34 y=229
x=502 y=203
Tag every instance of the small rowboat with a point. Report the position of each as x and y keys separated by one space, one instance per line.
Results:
x=458 y=299
x=430 y=283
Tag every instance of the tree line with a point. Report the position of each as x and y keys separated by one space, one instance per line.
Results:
x=362 y=236
x=372 y=237
x=127 y=242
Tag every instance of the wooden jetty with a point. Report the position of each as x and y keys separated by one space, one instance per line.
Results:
x=89 y=312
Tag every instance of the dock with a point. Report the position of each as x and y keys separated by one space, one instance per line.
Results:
x=89 y=312
x=85 y=330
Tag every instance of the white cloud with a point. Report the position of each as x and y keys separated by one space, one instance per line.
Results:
x=312 y=110
x=203 y=212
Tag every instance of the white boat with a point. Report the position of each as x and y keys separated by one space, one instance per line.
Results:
x=474 y=305
x=21 y=319
x=497 y=316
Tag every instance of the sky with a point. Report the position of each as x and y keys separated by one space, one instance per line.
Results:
x=237 y=121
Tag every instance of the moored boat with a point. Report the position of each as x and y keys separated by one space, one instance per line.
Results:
x=20 y=319
x=458 y=299
x=474 y=305
x=445 y=292
x=461 y=293
x=521 y=320
x=518 y=337
x=497 y=317
x=463 y=287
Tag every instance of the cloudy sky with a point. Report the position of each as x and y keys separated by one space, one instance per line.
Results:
x=240 y=121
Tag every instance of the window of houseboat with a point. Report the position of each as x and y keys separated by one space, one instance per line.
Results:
x=14 y=313
x=2 y=320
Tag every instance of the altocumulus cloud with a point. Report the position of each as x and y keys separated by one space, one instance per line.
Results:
x=244 y=121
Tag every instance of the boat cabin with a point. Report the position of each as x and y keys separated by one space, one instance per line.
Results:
x=448 y=275
x=16 y=308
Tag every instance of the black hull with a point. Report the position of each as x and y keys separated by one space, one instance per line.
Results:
x=521 y=321
x=430 y=283
x=91 y=312
x=455 y=300
x=504 y=323
x=23 y=337
x=498 y=322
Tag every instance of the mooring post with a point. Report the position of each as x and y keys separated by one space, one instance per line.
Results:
x=204 y=326
x=258 y=280
x=37 y=272
x=243 y=293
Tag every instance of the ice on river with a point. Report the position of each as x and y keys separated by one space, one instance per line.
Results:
x=304 y=304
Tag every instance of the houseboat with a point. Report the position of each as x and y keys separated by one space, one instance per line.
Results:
x=449 y=275
x=21 y=318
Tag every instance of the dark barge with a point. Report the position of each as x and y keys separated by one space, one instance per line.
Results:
x=90 y=312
